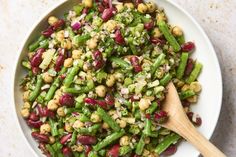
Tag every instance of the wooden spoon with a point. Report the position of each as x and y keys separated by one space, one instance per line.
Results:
x=179 y=123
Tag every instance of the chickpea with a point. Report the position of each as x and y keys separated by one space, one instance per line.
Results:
x=101 y=90
x=87 y=3
x=153 y=154
x=78 y=124
x=110 y=81
x=144 y=104
x=95 y=118
x=120 y=7
x=76 y=54
x=151 y=7
x=195 y=86
x=124 y=141
x=177 y=31
x=157 y=33
x=146 y=152
x=105 y=126
x=192 y=99
x=47 y=78
x=129 y=5
x=77 y=148
x=68 y=62
x=52 y=105
x=56 y=99
x=147 y=140
x=161 y=17
x=185 y=87
x=86 y=67
x=68 y=127
x=52 y=20
x=122 y=123
x=52 y=139
x=110 y=25
x=66 y=44
x=45 y=129
x=25 y=112
x=60 y=35
x=142 y=8
x=27 y=105
x=92 y=43
x=26 y=95
x=61 y=112
x=119 y=77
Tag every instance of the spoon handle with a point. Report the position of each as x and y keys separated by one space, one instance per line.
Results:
x=207 y=149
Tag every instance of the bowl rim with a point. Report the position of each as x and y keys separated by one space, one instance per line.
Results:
x=48 y=11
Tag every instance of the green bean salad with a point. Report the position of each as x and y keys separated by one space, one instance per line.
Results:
x=96 y=81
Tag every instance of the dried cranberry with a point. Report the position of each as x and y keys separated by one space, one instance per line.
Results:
x=189 y=67
x=33 y=116
x=40 y=137
x=67 y=100
x=114 y=151
x=109 y=99
x=65 y=138
x=58 y=24
x=107 y=14
x=148 y=116
x=88 y=149
x=67 y=152
x=194 y=118
x=170 y=150
x=86 y=139
x=34 y=124
x=37 y=58
x=149 y=25
x=160 y=116
x=90 y=101
x=59 y=62
x=119 y=38
x=188 y=47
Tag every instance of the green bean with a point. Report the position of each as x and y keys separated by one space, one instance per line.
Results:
x=166 y=79
x=89 y=16
x=80 y=39
x=102 y=152
x=134 y=129
x=121 y=63
x=26 y=64
x=168 y=140
x=187 y=94
x=137 y=114
x=57 y=146
x=53 y=125
x=35 y=45
x=154 y=134
x=194 y=74
x=69 y=78
x=36 y=91
x=108 y=140
x=106 y=118
x=76 y=154
x=82 y=155
x=80 y=99
x=86 y=111
x=71 y=33
x=83 y=118
x=54 y=85
x=169 y=37
x=124 y=150
x=147 y=128
x=78 y=9
x=182 y=65
x=43 y=44
x=73 y=138
x=157 y=63
x=90 y=130
x=180 y=39
x=152 y=108
x=93 y=154
x=51 y=151
x=140 y=145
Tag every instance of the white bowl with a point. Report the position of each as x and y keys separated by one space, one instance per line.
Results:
x=209 y=104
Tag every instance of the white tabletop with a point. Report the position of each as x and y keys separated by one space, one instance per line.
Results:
x=217 y=17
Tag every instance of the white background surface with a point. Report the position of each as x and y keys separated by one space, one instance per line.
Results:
x=217 y=17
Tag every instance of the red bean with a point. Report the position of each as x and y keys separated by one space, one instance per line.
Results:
x=188 y=47
x=160 y=116
x=42 y=147
x=88 y=149
x=114 y=151
x=109 y=99
x=170 y=150
x=149 y=25
x=58 y=24
x=119 y=38
x=105 y=3
x=67 y=100
x=157 y=41
x=86 y=139
x=76 y=26
x=59 y=62
x=97 y=55
x=65 y=138
x=107 y=14
x=37 y=58
x=98 y=64
x=185 y=103
x=102 y=104
x=85 y=11
x=189 y=67
x=101 y=8
x=35 y=70
x=45 y=112
x=34 y=124
x=98 y=60
x=135 y=63
x=48 y=32
x=67 y=152
x=194 y=118
x=137 y=2
x=90 y=101
x=33 y=116
x=148 y=116
x=134 y=98
x=40 y=137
